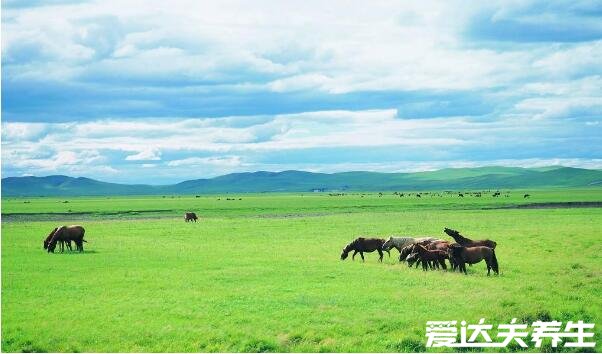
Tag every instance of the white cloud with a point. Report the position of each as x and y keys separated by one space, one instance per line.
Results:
x=220 y=161
x=145 y=155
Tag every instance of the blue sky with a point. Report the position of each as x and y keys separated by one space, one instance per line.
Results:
x=159 y=92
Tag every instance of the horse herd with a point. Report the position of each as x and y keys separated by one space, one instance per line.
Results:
x=430 y=252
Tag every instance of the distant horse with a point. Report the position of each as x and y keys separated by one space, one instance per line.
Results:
x=401 y=242
x=436 y=257
x=526 y=195
x=362 y=245
x=190 y=216
x=471 y=255
x=73 y=233
x=466 y=242
x=61 y=242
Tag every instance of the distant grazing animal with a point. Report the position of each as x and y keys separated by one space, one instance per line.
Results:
x=73 y=233
x=471 y=255
x=362 y=245
x=61 y=242
x=466 y=242
x=401 y=242
x=190 y=216
x=431 y=256
x=526 y=196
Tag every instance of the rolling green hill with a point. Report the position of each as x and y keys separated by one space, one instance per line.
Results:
x=299 y=181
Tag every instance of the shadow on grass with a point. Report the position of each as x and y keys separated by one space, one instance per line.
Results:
x=76 y=253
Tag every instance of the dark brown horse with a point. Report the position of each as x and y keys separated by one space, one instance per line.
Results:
x=73 y=233
x=361 y=245
x=426 y=256
x=61 y=242
x=471 y=255
x=190 y=216
x=466 y=242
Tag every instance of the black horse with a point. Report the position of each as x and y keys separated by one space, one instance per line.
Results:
x=362 y=245
x=466 y=242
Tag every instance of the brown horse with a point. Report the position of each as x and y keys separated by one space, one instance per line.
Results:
x=436 y=257
x=410 y=255
x=190 y=216
x=471 y=255
x=466 y=242
x=73 y=233
x=61 y=242
x=362 y=245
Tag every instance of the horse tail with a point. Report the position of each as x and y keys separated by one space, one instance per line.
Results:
x=494 y=261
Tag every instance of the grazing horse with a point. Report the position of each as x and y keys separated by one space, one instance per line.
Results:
x=73 y=233
x=405 y=252
x=466 y=242
x=436 y=256
x=471 y=255
x=401 y=242
x=61 y=242
x=526 y=195
x=362 y=245
x=190 y=216
x=410 y=255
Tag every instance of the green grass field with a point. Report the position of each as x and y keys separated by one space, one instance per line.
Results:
x=263 y=273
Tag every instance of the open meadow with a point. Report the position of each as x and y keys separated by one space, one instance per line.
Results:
x=262 y=272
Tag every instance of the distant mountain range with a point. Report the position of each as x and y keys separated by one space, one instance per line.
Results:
x=299 y=181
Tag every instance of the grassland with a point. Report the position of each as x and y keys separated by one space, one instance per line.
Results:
x=262 y=272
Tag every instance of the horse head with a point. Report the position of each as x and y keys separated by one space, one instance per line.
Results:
x=387 y=245
x=451 y=232
x=49 y=237
x=412 y=258
x=344 y=254
x=405 y=252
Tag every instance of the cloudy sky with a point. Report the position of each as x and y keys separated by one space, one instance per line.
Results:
x=163 y=91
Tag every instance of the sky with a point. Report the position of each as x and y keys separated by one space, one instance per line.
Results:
x=164 y=91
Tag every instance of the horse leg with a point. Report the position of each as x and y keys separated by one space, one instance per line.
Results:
x=353 y=257
x=424 y=265
x=488 y=262
x=442 y=262
x=380 y=253
x=362 y=254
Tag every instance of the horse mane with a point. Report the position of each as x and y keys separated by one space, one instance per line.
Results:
x=49 y=237
x=352 y=243
x=56 y=232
